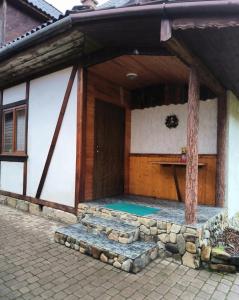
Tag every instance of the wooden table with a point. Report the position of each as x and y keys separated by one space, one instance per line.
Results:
x=174 y=166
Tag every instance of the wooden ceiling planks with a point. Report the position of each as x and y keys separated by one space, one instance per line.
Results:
x=151 y=70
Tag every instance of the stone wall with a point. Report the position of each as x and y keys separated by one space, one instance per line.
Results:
x=39 y=210
x=181 y=242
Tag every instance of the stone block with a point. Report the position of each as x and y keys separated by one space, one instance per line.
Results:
x=223 y=268
x=22 y=205
x=171 y=248
x=59 y=215
x=103 y=258
x=190 y=260
x=191 y=247
x=206 y=253
x=127 y=265
x=175 y=228
x=3 y=199
x=12 y=202
x=145 y=230
x=181 y=244
x=220 y=254
x=34 y=209
x=164 y=237
x=172 y=237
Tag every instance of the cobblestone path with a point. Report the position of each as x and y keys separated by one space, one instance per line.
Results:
x=33 y=267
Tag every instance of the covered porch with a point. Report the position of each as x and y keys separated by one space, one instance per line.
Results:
x=141 y=158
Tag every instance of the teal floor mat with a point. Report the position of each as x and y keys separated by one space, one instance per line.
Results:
x=136 y=209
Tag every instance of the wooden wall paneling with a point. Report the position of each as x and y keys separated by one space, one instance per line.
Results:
x=26 y=139
x=80 y=136
x=57 y=131
x=153 y=180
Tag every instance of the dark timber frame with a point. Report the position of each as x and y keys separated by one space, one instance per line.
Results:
x=80 y=135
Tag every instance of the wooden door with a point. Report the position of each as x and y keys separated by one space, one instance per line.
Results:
x=109 y=150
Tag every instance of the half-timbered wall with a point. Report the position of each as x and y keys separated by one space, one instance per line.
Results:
x=46 y=96
x=232 y=176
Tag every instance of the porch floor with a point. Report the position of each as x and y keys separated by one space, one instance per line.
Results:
x=169 y=211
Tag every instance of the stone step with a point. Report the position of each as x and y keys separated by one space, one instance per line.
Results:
x=128 y=257
x=115 y=229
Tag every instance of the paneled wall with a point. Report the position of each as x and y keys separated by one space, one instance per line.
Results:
x=154 y=180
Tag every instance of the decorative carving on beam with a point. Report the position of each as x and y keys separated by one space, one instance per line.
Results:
x=221 y=149
x=179 y=49
x=192 y=149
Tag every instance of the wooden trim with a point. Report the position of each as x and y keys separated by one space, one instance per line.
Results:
x=40 y=202
x=14 y=157
x=57 y=131
x=26 y=138
x=81 y=136
x=221 y=150
x=179 y=49
x=12 y=110
x=191 y=198
x=15 y=104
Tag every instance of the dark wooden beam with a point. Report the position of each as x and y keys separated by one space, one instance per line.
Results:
x=80 y=136
x=57 y=131
x=26 y=139
x=192 y=148
x=179 y=49
x=221 y=149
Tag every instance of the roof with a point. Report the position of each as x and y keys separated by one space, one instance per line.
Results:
x=115 y=3
x=45 y=7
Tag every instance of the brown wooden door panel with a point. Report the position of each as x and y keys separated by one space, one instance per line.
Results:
x=109 y=149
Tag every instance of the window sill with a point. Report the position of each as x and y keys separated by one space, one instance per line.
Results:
x=13 y=157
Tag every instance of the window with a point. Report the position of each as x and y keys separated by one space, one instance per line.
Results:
x=14 y=129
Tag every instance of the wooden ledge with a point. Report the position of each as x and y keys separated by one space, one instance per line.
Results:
x=13 y=157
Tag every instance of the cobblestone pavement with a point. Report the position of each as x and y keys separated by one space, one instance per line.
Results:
x=32 y=266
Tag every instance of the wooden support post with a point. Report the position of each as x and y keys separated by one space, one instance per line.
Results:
x=80 y=136
x=221 y=149
x=192 y=148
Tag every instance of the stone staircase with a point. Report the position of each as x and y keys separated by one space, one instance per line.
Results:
x=111 y=240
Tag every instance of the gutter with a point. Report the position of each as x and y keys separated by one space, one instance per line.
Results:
x=169 y=9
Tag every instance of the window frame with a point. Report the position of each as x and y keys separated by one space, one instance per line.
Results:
x=14 y=111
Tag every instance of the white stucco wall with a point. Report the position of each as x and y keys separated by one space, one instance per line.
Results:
x=14 y=94
x=12 y=177
x=232 y=178
x=45 y=100
x=150 y=135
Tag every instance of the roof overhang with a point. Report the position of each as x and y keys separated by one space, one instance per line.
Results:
x=77 y=36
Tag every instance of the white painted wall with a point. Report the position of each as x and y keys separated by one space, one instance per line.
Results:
x=149 y=133
x=45 y=100
x=14 y=94
x=232 y=193
x=12 y=177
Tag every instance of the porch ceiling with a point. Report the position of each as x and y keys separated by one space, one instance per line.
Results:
x=151 y=70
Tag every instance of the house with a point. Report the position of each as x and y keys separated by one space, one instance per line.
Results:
x=18 y=17
x=99 y=103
